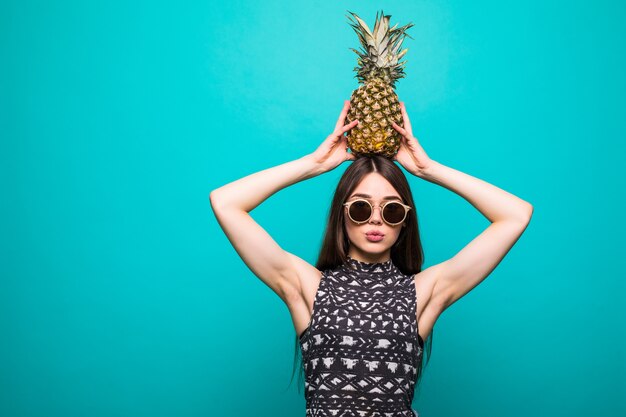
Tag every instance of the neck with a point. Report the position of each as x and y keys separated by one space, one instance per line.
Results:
x=370 y=258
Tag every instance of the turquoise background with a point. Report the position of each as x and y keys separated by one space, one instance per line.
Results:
x=121 y=296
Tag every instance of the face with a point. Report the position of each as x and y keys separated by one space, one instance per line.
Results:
x=361 y=248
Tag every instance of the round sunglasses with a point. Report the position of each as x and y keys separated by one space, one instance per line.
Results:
x=392 y=212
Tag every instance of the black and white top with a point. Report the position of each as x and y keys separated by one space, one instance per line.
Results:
x=361 y=349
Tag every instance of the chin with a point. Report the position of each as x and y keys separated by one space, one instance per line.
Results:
x=374 y=247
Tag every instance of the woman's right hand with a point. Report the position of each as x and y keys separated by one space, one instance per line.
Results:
x=334 y=150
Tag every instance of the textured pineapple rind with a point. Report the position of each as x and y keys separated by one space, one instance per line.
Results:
x=375 y=104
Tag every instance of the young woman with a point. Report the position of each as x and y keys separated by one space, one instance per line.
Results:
x=362 y=313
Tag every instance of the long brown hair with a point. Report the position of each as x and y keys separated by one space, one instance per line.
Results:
x=406 y=253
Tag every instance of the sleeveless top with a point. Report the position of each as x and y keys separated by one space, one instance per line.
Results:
x=361 y=349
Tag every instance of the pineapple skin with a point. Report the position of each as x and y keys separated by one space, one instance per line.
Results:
x=375 y=104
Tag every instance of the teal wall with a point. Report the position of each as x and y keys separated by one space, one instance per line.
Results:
x=121 y=296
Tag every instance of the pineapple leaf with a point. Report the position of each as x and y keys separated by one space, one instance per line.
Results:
x=362 y=24
x=380 y=54
x=359 y=53
x=376 y=25
x=382 y=29
x=383 y=45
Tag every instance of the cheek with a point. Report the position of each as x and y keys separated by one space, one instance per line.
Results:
x=351 y=229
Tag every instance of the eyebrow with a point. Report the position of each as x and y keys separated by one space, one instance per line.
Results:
x=389 y=197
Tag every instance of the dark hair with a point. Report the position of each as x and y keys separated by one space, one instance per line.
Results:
x=406 y=253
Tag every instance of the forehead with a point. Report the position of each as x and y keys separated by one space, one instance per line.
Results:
x=375 y=186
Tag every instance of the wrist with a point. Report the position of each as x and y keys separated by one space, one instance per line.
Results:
x=428 y=172
x=311 y=166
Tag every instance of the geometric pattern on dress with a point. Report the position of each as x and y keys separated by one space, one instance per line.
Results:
x=361 y=348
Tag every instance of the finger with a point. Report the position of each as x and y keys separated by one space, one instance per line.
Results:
x=338 y=135
x=342 y=116
x=349 y=126
x=405 y=116
x=400 y=129
x=349 y=155
x=344 y=143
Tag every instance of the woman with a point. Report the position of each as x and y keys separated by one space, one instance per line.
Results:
x=362 y=313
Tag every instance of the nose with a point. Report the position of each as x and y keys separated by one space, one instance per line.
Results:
x=376 y=216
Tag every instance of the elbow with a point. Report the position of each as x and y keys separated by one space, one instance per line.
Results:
x=527 y=214
x=214 y=199
x=529 y=211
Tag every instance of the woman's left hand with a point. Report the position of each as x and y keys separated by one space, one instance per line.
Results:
x=411 y=155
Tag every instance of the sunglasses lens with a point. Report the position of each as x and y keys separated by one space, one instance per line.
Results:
x=360 y=211
x=394 y=212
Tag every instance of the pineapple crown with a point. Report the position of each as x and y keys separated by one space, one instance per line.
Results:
x=379 y=57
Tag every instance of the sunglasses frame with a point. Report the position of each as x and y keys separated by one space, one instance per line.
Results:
x=382 y=209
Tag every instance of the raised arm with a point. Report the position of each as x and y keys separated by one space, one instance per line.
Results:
x=232 y=203
x=509 y=216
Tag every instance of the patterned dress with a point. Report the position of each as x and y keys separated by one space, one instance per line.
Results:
x=361 y=349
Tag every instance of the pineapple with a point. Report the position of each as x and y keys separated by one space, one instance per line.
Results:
x=375 y=102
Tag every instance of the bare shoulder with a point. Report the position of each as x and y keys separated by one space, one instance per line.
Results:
x=425 y=281
x=429 y=304
x=304 y=281
x=305 y=278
